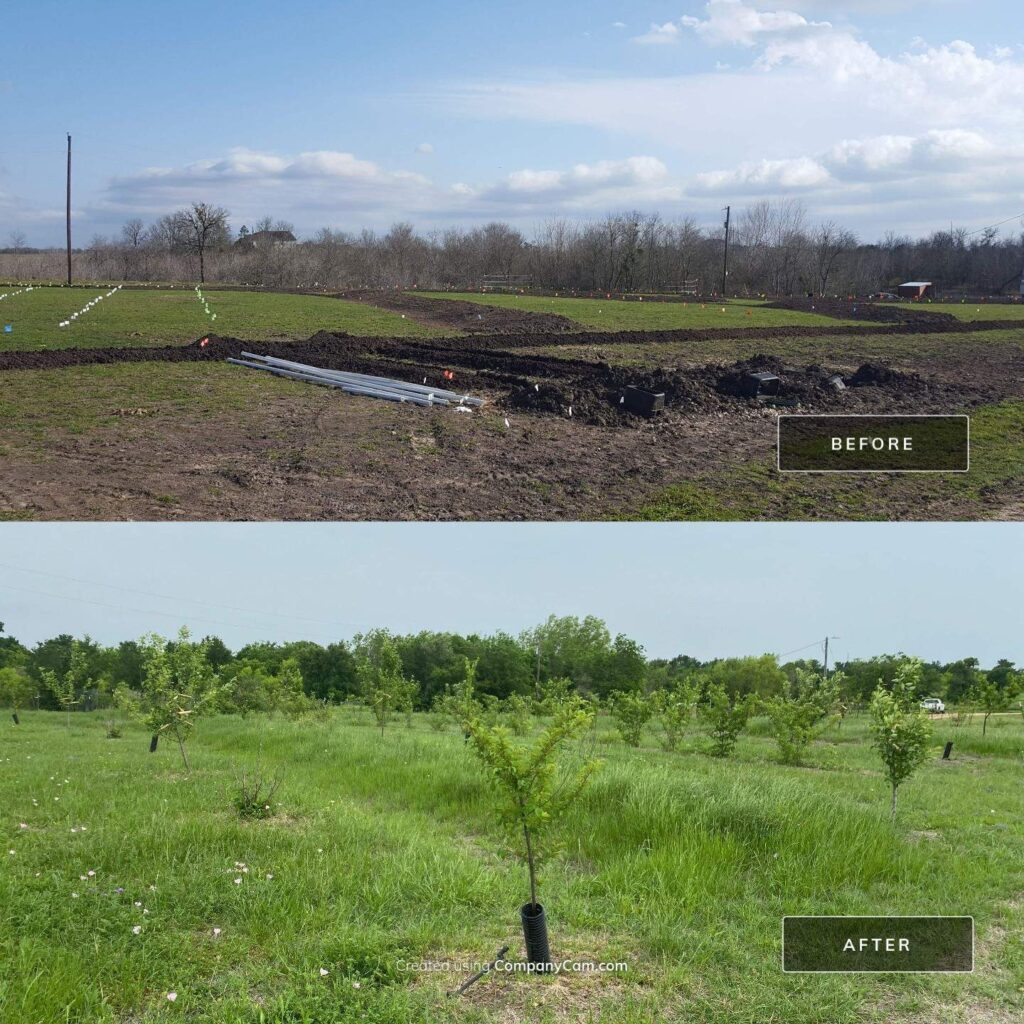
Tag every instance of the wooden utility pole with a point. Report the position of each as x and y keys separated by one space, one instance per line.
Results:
x=826 y=653
x=69 y=208
x=725 y=259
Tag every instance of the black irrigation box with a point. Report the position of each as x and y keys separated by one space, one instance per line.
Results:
x=645 y=403
x=755 y=385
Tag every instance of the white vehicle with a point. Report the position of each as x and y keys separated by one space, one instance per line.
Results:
x=934 y=705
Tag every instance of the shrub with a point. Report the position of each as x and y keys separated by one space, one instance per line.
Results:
x=798 y=715
x=255 y=793
x=674 y=707
x=553 y=694
x=631 y=712
x=727 y=717
x=515 y=712
x=16 y=690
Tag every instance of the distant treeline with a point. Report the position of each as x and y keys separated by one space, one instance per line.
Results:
x=775 y=249
x=580 y=650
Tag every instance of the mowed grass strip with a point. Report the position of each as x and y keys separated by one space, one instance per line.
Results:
x=630 y=315
x=832 y=350
x=39 y=407
x=968 y=310
x=165 y=316
x=383 y=850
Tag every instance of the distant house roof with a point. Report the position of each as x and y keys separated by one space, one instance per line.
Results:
x=916 y=284
x=258 y=237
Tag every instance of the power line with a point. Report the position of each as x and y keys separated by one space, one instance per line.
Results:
x=990 y=227
x=177 y=616
x=335 y=623
x=797 y=650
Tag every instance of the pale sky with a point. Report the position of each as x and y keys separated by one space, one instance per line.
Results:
x=902 y=114
x=940 y=591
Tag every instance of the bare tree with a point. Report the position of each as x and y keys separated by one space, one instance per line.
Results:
x=203 y=227
x=17 y=241
x=828 y=243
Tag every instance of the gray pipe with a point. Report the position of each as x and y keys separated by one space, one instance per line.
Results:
x=390 y=382
x=347 y=386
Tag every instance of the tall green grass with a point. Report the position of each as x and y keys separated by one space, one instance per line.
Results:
x=384 y=850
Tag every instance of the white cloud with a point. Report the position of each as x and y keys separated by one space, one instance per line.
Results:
x=939 y=165
x=339 y=189
x=257 y=181
x=732 y=22
x=659 y=35
x=425 y=149
x=637 y=179
x=764 y=177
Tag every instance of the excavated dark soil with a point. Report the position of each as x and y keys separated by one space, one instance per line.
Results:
x=857 y=309
x=470 y=317
x=588 y=391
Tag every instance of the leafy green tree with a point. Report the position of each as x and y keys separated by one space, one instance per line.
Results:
x=289 y=690
x=760 y=676
x=673 y=708
x=553 y=694
x=384 y=688
x=247 y=688
x=515 y=710
x=16 y=690
x=991 y=699
x=798 y=715
x=532 y=787
x=12 y=653
x=584 y=651
x=631 y=713
x=900 y=729
x=179 y=686
x=68 y=686
x=727 y=717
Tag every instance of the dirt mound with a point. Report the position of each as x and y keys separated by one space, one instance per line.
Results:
x=879 y=375
x=856 y=309
x=470 y=317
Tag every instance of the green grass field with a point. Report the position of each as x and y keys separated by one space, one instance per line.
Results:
x=974 y=310
x=132 y=879
x=622 y=315
x=151 y=316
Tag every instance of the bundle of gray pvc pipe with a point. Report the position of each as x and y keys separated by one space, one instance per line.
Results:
x=357 y=383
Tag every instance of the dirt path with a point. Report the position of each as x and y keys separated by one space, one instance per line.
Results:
x=469 y=317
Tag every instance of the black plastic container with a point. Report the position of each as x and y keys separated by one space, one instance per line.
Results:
x=643 y=403
x=152 y=744
x=535 y=932
x=757 y=385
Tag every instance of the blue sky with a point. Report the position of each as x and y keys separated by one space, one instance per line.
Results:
x=940 y=591
x=900 y=114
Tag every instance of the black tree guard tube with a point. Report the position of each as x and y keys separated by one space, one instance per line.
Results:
x=535 y=932
x=152 y=744
x=15 y=717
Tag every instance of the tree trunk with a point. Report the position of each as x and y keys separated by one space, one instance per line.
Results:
x=202 y=267
x=181 y=747
x=892 y=813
